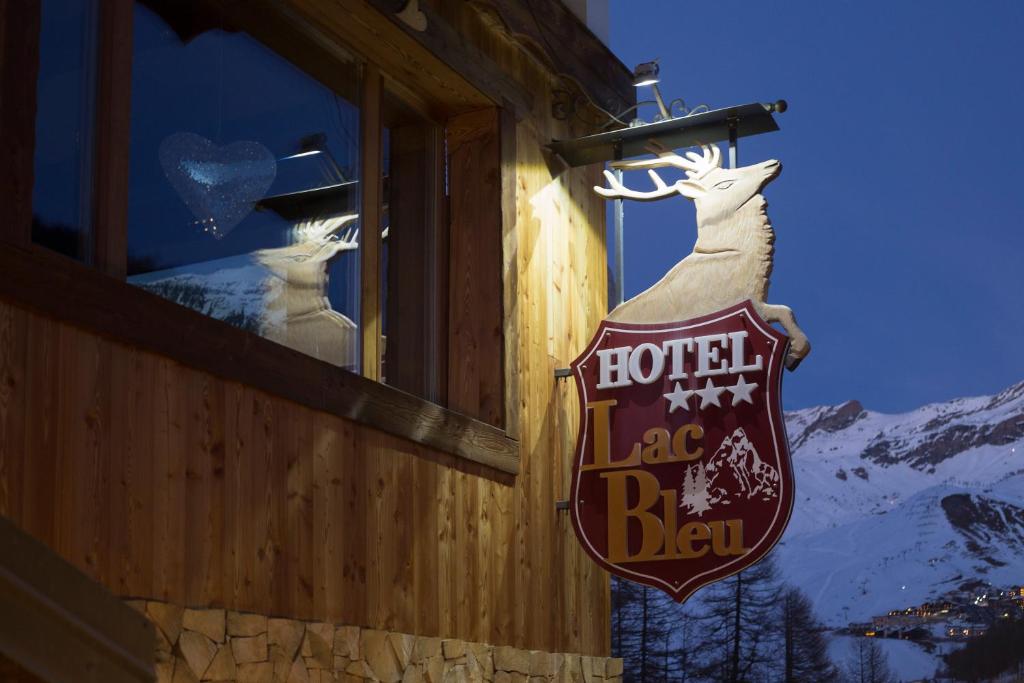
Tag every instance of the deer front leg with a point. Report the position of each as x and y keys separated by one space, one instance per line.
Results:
x=799 y=346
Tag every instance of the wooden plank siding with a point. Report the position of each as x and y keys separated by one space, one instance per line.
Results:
x=169 y=480
x=163 y=481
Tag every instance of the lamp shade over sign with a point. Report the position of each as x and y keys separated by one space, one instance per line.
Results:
x=683 y=131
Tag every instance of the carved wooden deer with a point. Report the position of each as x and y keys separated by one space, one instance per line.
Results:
x=732 y=258
x=298 y=312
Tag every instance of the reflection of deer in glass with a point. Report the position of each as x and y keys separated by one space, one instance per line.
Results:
x=732 y=258
x=298 y=312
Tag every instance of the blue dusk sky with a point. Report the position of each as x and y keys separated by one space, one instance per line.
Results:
x=898 y=213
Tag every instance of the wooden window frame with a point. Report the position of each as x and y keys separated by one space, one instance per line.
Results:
x=95 y=296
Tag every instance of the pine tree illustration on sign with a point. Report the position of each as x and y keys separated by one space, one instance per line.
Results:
x=695 y=497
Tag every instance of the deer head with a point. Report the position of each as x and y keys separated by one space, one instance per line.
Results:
x=717 y=192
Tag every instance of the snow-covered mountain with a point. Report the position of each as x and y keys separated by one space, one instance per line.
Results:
x=234 y=289
x=893 y=510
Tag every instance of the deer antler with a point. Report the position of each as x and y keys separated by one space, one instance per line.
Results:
x=695 y=165
x=616 y=189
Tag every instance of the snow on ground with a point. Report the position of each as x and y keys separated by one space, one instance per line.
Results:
x=907 y=660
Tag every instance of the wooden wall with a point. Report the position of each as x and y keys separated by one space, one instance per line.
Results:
x=165 y=482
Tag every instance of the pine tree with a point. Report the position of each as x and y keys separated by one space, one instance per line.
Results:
x=701 y=499
x=686 y=500
x=805 y=650
x=737 y=624
x=868 y=663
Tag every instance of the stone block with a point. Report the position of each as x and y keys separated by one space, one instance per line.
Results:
x=413 y=674
x=298 y=672
x=484 y=656
x=559 y=663
x=360 y=669
x=453 y=649
x=613 y=667
x=542 y=664
x=512 y=660
x=402 y=645
x=425 y=648
x=321 y=676
x=163 y=647
x=502 y=677
x=593 y=668
x=183 y=674
x=167 y=618
x=573 y=668
x=456 y=674
x=287 y=634
x=197 y=650
x=222 y=668
x=253 y=649
x=378 y=653
x=320 y=644
x=209 y=622
x=242 y=624
x=346 y=642
x=433 y=668
x=474 y=672
x=255 y=672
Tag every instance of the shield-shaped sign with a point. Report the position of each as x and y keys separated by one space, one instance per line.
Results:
x=682 y=474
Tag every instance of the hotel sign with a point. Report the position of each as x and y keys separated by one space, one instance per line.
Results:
x=682 y=474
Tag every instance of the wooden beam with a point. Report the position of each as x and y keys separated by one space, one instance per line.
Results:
x=569 y=48
x=448 y=45
x=113 y=136
x=510 y=271
x=357 y=25
x=62 y=626
x=19 y=70
x=369 y=239
x=69 y=291
x=476 y=325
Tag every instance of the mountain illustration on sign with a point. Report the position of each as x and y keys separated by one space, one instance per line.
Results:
x=734 y=472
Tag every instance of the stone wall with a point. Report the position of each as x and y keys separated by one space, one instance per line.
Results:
x=220 y=645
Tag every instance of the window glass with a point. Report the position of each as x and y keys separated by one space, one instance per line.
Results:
x=65 y=109
x=244 y=186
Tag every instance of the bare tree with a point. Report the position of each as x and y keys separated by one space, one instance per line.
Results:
x=737 y=627
x=868 y=663
x=805 y=650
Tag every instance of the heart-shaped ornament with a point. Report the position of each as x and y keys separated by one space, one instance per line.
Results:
x=219 y=185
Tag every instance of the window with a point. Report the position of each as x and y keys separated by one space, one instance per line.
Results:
x=65 y=112
x=280 y=184
x=243 y=196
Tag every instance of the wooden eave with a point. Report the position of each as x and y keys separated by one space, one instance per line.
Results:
x=549 y=30
x=62 y=626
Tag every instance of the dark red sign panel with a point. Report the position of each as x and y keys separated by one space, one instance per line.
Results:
x=682 y=474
